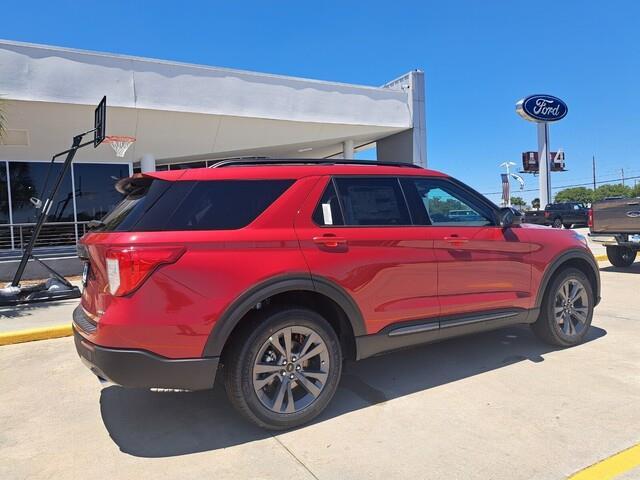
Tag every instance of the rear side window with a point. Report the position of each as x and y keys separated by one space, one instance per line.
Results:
x=372 y=201
x=195 y=205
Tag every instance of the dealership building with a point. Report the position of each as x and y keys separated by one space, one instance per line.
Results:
x=182 y=116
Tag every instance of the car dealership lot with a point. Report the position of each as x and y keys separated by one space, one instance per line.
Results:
x=498 y=405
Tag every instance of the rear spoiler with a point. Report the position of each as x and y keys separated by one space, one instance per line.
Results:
x=134 y=182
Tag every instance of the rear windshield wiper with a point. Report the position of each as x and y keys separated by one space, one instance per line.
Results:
x=95 y=224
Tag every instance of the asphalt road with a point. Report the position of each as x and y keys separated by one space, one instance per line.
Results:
x=499 y=405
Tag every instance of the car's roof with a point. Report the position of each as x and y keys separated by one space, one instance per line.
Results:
x=249 y=172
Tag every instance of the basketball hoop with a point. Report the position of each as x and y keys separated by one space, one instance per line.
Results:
x=119 y=143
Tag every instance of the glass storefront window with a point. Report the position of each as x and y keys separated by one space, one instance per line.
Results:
x=183 y=166
x=95 y=191
x=4 y=194
x=27 y=180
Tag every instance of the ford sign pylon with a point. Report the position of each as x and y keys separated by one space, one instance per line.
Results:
x=542 y=109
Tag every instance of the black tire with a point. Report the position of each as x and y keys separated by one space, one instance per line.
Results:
x=548 y=328
x=557 y=222
x=240 y=377
x=567 y=225
x=621 y=256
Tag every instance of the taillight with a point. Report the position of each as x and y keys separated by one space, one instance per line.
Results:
x=590 y=218
x=129 y=267
x=547 y=214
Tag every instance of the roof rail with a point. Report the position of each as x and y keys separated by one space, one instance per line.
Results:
x=230 y=162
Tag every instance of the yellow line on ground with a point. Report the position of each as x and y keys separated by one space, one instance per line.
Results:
x=611 y=467
x=45 y=333
x=601 y=258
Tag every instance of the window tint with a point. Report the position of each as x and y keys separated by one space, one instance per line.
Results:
x=328 y=210
x=204 y=205
x=225 y=205
x=441 y=203
x=95 y=192
x=133 y=207
x=372 y=201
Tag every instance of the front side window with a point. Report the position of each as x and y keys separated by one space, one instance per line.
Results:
x=442 y=203
x=369 y=201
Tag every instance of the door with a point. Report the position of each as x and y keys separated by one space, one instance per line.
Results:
x=481 y=266
x=357 y=233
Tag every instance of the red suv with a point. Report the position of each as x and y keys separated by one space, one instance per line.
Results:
x=276 y=271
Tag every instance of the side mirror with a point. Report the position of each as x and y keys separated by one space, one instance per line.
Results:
x=509 y=217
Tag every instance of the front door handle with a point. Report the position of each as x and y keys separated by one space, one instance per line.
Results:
x=330 y=241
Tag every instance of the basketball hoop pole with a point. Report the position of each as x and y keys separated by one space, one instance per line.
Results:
x=46 y=206
x=14 y=293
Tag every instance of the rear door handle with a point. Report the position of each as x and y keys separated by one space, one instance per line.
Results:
x=456 y=240
x=330 y=241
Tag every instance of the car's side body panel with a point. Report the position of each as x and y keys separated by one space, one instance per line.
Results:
x=397 y=285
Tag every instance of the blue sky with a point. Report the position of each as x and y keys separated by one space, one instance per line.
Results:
x=479 y=57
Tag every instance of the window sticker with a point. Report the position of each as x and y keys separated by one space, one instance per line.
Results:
x=326 y=213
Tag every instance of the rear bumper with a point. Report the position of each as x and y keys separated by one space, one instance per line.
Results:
x=614 y=239
x=140 y=369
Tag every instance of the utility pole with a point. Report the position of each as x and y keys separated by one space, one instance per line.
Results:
x=593 y=167
x=622 y=171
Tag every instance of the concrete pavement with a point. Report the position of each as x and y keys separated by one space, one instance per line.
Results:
x=498 y=405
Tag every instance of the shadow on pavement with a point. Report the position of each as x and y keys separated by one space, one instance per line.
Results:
x=149 y=424
x=27 y=309
x=634 y=268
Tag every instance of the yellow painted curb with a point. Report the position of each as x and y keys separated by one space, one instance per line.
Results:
x=611 y=467
x=601 y=258
x=32 y=334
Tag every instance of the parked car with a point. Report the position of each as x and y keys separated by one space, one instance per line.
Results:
x=566 y=214
x=615 y=223
x=277 y=271
x=535 y=216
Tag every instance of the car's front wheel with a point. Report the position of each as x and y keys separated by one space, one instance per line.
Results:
x=283 y=370
x=566 y=309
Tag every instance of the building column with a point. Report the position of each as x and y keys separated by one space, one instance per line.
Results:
x=411 y=144
x=347 y=149
x=147 y=163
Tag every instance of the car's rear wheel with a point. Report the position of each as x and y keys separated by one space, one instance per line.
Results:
x=621 y=256
x=567 y=225
x=566 y=310
x=557 y=223
x=283 y=371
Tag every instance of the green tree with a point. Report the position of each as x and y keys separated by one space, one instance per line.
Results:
x=635 y=191
x=575 y=194
x=615 y=190
x=535 y=203
x=518 y=202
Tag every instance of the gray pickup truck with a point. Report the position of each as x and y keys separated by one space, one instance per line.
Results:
x=615 y=223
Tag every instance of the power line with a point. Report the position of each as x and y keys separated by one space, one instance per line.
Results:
x=571 y=186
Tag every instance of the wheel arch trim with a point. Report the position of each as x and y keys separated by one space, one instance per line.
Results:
x=234 y=313
x=558 y=262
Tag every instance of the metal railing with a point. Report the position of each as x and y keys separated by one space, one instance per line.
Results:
x=15 y=236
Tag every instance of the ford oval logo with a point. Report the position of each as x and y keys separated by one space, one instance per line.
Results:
x=542 y=108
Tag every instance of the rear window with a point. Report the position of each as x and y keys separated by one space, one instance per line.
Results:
x=194 y=205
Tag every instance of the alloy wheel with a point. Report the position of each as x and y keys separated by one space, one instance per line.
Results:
x=291 y=369
x=571 y=307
